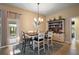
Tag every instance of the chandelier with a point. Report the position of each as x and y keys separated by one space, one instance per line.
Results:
x=38 y=20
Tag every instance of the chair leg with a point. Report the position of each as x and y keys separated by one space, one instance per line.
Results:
x=48 y=44
x=33 y=45
x=51 y=42
x=38 y=49
x=44 y=46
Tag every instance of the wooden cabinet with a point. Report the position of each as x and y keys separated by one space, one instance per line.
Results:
x=57 y=26
x=58 y=37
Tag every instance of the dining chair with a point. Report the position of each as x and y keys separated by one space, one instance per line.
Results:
x=33 y=41
x=23 y=41
x=39 y=42
x=49 y=39
x=26 y=39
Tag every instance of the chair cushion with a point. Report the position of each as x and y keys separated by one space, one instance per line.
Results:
x=36 y=39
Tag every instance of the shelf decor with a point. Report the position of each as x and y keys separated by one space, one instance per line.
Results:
x=56 y=24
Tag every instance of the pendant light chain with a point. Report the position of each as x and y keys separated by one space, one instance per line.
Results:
x=38 y=18
x=38 y=11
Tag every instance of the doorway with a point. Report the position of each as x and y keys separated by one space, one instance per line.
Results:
x=73 y=27
x=73 y=47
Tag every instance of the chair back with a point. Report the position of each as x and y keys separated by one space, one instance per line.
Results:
x=41 y=36
x=50 y=33
x=23 y=35
x=33 y=37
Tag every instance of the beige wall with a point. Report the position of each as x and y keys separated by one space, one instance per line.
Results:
x=67 y=13
x=26 y=20
x=27 y=17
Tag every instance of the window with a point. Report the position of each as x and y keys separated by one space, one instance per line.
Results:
x=13 y=28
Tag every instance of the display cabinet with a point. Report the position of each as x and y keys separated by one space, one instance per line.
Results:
x=57 y=26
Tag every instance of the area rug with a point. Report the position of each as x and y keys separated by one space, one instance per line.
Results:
x=29 y=51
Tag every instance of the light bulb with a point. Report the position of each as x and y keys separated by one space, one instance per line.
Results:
x=35 y=19
x=39 y=19
x=42 y=20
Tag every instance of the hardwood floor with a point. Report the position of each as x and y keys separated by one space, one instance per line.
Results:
x=63 y=50
x=74 y=48
x=66 y=49
x=69 y=49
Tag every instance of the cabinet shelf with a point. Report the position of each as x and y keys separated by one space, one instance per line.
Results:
x=56 y=25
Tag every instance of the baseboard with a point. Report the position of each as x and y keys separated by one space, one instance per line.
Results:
x=68 y=42
x=59 y=41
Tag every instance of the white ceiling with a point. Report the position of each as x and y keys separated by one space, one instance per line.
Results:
x=44 y=8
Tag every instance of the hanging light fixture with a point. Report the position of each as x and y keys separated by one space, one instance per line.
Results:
x=38 y=19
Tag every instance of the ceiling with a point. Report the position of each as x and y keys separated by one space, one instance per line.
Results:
x=44 y=8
